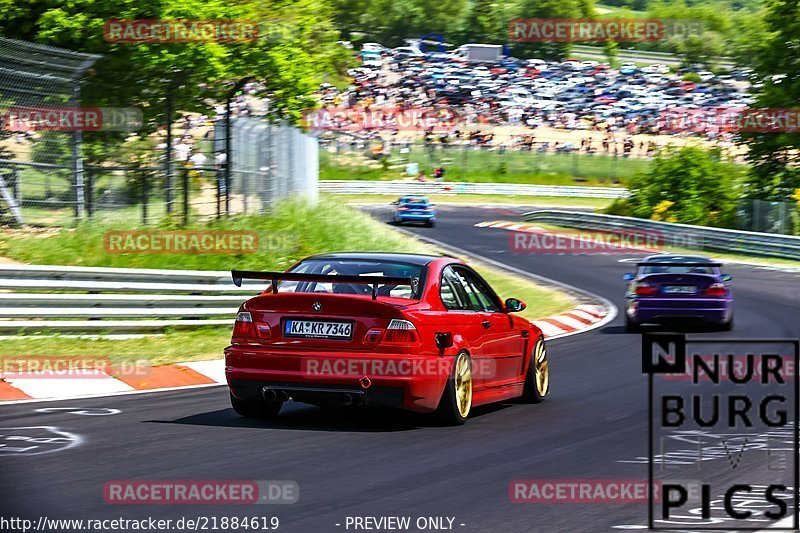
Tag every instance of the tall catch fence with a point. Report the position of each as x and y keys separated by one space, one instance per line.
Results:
x=36 y=77
x=553 y=162
x=45 y=179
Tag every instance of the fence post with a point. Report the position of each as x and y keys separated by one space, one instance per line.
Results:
x=228 y=159
x=170 y=193
x=219 y=177
x=16 y=185
x=77 y=160
x=185 y=183
x=89 y=193
x=145 y=199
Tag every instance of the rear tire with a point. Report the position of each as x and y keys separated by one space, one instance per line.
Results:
x=632 y=326
x=456 y=402
x=256 y=408
x=431 y=224
x=727 y=326
x=537 y=380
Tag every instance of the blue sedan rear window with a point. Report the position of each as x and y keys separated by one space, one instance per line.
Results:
x=410 y=200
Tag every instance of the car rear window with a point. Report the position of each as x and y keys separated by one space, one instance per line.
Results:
x=357 y=267
x=414 y=201
x=694 y=265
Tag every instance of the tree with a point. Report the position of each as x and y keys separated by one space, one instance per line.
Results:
x=690 y=185
x=697 y=49
x=392 y=21
x=292 y=60
x=694 y=30
x=555 y=9
x=610 y=50
x=486 y=21
x=774 y=156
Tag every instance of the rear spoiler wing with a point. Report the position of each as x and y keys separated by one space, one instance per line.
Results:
x=694 y=264
x=274 y=277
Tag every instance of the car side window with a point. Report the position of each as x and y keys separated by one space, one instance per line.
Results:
x=480 y=294
x=453 y=294
x=448 y=294
x=474 y=300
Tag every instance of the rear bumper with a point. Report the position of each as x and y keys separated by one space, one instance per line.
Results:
x=659 y=310
x=247 y=389
x=410 y=382
x=420 y=217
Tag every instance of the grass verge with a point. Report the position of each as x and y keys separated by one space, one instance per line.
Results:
x=488 y=166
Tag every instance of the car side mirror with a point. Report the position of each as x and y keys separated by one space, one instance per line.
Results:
x=726 y=277
x=514 y=306
x=628 y=277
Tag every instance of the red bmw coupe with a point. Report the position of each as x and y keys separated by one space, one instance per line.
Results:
x=418 y=332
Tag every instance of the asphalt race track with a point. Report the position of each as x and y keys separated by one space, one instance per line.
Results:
x=394 y=464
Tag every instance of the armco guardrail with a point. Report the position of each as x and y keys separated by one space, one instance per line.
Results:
x=718 y=239
x=400 y=187
x=99 y=298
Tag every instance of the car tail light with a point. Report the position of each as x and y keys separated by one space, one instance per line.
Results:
x=243 y=328
x=645 y=289
x=715 y=290
x=401 y=331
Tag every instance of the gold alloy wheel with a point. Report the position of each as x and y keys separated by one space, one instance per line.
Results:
x=463 y=385
x=540 y=369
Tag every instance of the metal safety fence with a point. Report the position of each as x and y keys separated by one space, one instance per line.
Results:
x=230 y=159
x=401 y=187
x=717 y=239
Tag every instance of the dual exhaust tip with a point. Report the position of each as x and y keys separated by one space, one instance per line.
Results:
x=271 y=395
x=348 y=399
x=353 y=400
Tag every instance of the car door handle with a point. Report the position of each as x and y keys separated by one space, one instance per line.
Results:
x=486 y=324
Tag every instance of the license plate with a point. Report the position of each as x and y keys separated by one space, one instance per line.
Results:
x=680 y=289
x=318 y=329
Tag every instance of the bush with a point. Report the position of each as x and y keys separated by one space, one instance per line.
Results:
x=620 y=207
x=690 y=185
x=694 y=77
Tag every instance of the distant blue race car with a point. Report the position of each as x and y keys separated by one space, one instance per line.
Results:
x=414 y=209
x=667 y=288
